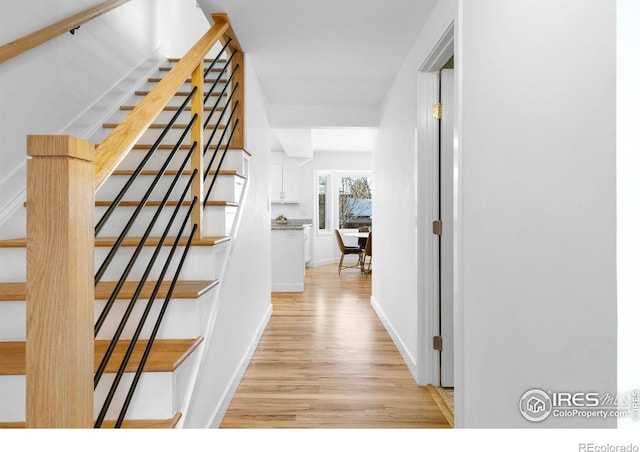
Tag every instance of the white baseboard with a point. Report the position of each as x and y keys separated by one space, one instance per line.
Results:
x=333 y=260
x=221 y=409
x=287 y=287
x=322 y=262
x=408 y=358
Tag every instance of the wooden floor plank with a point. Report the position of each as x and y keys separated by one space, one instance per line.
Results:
x=326 y=361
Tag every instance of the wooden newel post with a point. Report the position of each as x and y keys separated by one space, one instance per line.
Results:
x=60 y=240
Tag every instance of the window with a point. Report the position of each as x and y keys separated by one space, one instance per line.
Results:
x=322 y=202
x=343 y=200
x=354 y=202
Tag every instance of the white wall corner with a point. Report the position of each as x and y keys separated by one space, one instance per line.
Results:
x=408 y=358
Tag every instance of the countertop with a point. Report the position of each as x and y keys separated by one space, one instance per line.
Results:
x=293 y=224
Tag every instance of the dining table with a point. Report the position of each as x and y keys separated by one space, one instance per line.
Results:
x=360 y=235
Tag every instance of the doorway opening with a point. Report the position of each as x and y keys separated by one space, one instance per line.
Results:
x=445 y=342
x=438 y=236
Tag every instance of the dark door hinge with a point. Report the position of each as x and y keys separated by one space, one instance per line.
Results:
x=437 y=343
x=437 y=227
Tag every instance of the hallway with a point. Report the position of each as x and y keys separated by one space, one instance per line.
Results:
x=326 y=361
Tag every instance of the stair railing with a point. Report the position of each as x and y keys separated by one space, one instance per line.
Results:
x=70 y=24
x=64 y=173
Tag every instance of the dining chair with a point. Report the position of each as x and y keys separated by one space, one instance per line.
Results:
x=362 y=241
x=367 y=252
x=344 y=250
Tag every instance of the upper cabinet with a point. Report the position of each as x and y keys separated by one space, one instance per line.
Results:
x=285 y=184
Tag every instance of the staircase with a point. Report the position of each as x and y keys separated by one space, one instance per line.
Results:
x=164 y=388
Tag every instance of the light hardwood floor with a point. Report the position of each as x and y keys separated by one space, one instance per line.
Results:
x=326 y=361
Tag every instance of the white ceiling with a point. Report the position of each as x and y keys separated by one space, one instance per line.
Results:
x=328 y=54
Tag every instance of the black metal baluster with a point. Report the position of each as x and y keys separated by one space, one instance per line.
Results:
x=147 y=351
x=219 y=143
x=213 y=131
x=224 y=88
x=143 y=201
x=215 y=83
x=142 y=164
x=138 y=249
x=114 y=340
x=215 y=60
x=215 y=176
x=131 y=347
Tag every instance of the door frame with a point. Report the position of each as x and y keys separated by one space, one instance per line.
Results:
x=428 y=192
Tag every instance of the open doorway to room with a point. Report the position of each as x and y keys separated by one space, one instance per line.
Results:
x=445 y=343
x=437 y=190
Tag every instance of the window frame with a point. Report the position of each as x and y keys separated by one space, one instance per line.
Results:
x=332 y=214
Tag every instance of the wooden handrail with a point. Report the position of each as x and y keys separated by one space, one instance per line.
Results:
x=116 y=146
x=28 y=42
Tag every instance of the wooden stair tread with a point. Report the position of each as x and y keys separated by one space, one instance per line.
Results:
x=168 y=68
x=133 y=423
x=113 y=125
x=172 y=108
x=153 y=241
x=146 y=423
x=169 y=203
x=17 y=291
x=166 y=355
x=155 y=204
x=168 y=147
x=173 y=173
x=207 y=80
x=178 y=93
x=206 y=60
x=129 y=241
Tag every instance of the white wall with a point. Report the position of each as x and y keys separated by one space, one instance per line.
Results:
x=628 y=72
x=177 y=40
x=52 y=88
x=245 y=297
x=395 y=200
x=537 y=173
x=324 y=249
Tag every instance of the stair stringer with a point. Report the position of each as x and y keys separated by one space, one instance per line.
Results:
x=209 y=323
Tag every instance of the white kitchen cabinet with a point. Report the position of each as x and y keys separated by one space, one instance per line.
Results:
x=285 y=184
x=287 y=260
